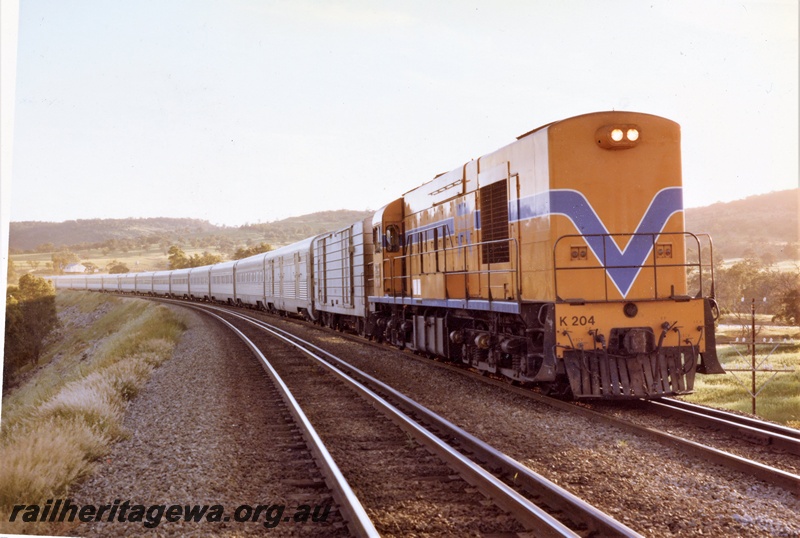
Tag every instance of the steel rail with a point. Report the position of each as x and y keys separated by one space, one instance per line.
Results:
x=352 y=510
x=776 y=435
x=763 y=472
x=506 y=497
x=774 y=476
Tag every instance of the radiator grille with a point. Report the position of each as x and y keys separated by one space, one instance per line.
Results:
x=494 y=222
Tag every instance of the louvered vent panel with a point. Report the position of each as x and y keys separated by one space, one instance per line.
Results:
x=494 y=222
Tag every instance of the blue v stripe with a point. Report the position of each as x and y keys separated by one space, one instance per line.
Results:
x=623 y=265
x=574 y=205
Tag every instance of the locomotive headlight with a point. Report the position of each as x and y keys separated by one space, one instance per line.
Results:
x=617 y=136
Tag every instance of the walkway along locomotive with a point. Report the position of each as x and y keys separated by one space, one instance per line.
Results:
x=558 y=260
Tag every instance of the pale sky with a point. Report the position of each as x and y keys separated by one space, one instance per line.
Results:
x=237 y=111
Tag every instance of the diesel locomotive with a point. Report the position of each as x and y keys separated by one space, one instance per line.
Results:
x=559 y=260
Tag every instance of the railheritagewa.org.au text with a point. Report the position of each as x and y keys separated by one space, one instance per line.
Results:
x=153 y=515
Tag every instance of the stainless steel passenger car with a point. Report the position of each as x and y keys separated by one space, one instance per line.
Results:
x=250 y=281
x=343 y=269
x=111 y=282
x=144 y=283
x=223 y=288
x=289 y=278
x=94 y=282
x=200 y=283
x=161 y=283
x=127 y=282
x=179 y=283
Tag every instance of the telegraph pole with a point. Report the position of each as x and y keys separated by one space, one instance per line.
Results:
x=754 y=366
x=753 y=349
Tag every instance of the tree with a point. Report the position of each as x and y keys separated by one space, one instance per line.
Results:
x=30 y=316
x=177 y=258
x=12 y=271
x=63 y=258
x=739 y=284
x=244 y=252
x=118 y=269
x=14 y=356
x=226 y=246
x=206 y=258
x=787 y=288
x=789 y=308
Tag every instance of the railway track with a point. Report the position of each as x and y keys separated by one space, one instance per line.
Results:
x=303 y=446
x=786 y=440
x=751 y=431
x=779 y=437
x=767 y=472
x=510 y=486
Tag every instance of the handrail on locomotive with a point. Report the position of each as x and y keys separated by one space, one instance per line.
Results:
x=606 y=266
x=513 y=271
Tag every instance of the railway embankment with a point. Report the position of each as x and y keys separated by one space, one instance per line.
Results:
x=67 y=413
x=196 y=436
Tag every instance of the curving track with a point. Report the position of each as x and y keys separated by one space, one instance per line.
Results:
x=348 y=503
x=574 y=452
x=471 y=459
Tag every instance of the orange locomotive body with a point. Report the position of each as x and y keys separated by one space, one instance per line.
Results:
x=560 y=259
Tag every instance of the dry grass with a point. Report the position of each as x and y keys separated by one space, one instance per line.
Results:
x=69 y=413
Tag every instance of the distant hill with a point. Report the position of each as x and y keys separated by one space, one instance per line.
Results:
x=81 y=234
x=760 y=225
x=29 y=235
x=296 y=228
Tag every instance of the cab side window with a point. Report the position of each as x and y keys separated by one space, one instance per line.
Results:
x=392 y=238
x=377 y=239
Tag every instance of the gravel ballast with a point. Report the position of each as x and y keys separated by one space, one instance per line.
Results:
x=201 y=434
x=654 y=489
x=198 y=437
